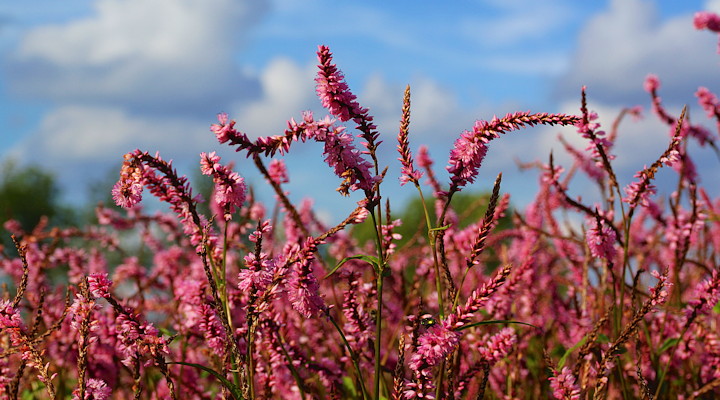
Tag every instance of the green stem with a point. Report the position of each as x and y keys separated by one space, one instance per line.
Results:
x=290 y=365
x=353 y=356
x=378 y=315
x=431 y=239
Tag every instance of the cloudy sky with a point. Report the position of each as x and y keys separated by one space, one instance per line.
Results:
x=84 y=81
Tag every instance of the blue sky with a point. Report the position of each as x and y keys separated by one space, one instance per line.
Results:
x=84 y=81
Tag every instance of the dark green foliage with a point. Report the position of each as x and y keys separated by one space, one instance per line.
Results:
x=470 y=208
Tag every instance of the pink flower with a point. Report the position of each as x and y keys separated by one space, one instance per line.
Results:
x=652 y=83
x=80 y=309
x=433 y=346
x=347 y=162
x=229 y=186
x=278 y=171
x=707 y=20
x=127 y=193
x=564 y=386
x=600 y=238
x=706 y=296
x=99 y=284
x=128 y=190
x=660 y=292
x=9 y=316
x=258 y=274
x=497 y=346
x=332 y=90
x=470 y=148
x=707 y=100
x=95 y=389
x=224 y=131
x=638 y=192
x=303 y=287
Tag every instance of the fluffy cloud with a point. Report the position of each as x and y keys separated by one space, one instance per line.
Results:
x=287 y=89
x=170 y=56
x=618 y=48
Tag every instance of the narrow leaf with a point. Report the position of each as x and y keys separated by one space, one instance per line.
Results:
x=374 y=261
x=569 y=351
x=234 y=390
x=494 y=322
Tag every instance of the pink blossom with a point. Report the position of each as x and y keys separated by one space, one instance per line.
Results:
x=660 y=292
x=564 y=386
x=9 y=316
x=258 y=272
x=127 y=193
x=332 y=90
x=707 y=20
x=706 y=295
x=278 y=171
x=128 y=190
x=497 y=346
x=303 y=287
x=470 y=148
x=81 y=309
x=423 y=157
x=347 y=162
x=433 y=346
x=224 y=131
x=652 y=83
x=708 y=101
x=99 y=284
x=600 y=238
x=638 y=192
x=229 y=186
x=95 y=389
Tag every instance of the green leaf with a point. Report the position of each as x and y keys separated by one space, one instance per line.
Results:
x=569 y=351
x=669 y=343
x=441 y=228
x=602 y=338
x=234 y=390
x=349 y=386
x=494 y=322
x=374 y=261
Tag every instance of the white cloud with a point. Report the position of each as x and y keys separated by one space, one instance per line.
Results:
x=287 y=90
x=160 y=55
x=713 y=5
x=514 y=22
x=618 y=48
x=80 y=134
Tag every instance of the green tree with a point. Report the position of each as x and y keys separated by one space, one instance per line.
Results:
x=26 y=195
x=470 y=208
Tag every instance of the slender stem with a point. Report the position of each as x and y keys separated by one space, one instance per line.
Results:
x=290 y=365
x=353 y=356
x=431 y=232
x=378 y=315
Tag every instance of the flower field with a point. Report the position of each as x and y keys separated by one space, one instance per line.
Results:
x=571 y=300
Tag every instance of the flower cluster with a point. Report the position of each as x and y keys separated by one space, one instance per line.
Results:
x=229 y=186
x=479 y=299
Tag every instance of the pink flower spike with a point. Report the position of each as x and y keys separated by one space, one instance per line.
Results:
x=332 y=90
x=95 y=389
x=229 y=186
x=9 y=316
x=434 y=345
x=99 y=284
x=707 y=20
x=564 y=386
x=278 y=171
x=127 y=192
x=600 y=238
x=652 y=83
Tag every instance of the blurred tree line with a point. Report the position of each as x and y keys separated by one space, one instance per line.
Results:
x=27 y=193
